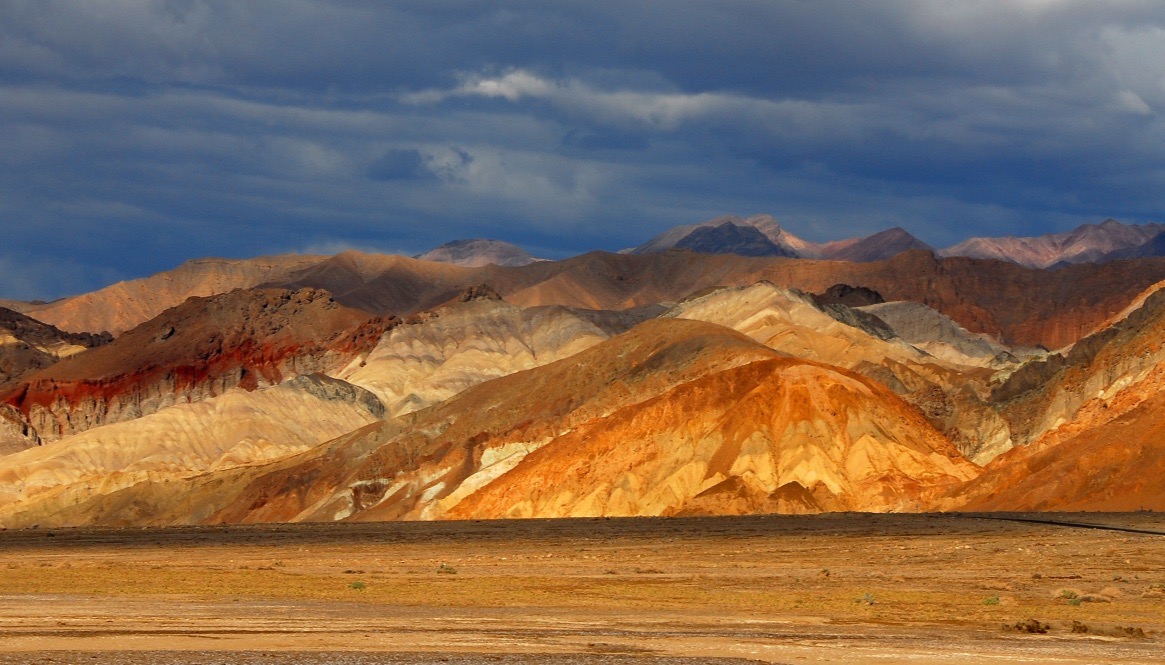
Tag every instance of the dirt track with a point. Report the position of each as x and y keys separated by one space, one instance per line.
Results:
x=835 y=588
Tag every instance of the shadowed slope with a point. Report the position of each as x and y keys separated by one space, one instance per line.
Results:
x=122 y=306
x=27 y=344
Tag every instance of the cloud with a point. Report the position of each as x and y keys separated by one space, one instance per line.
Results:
x=1133 y=103
x=399 y=164
x=140 y=134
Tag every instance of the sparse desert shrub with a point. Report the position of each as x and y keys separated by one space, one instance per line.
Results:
x=992 y=600
x=1129 y=631
x=357 y=586
x=446 y=569
x=866 y=599
x=1034 y=626
x=1068 y=594
x=1079 y=628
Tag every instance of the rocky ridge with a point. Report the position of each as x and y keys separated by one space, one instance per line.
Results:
x=196 y=350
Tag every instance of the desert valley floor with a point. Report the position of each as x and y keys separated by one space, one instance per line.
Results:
x=852 y=588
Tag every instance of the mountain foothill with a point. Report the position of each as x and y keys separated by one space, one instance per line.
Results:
x=721 y=368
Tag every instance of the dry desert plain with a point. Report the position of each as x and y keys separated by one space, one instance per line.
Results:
x=843 y=588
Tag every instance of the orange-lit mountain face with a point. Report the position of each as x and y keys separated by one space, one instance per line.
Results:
x=668 y=382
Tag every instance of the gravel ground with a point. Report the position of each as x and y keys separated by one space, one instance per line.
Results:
x=341 y=658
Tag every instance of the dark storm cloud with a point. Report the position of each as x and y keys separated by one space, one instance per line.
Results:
x=138 y=134
x=399 y=164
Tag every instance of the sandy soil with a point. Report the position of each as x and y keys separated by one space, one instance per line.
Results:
x=833 y=588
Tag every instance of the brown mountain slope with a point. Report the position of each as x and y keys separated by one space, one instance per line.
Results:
x=196 y=350
x=1019 y=306
x=674 y=416
x=122 y=306
x=877 y=247
x=379 y=283
x=1094 y=416
x=1115 y=467
x=776 y=435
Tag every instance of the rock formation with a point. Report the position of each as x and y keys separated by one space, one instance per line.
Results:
x=235 y=429
x=196 y=350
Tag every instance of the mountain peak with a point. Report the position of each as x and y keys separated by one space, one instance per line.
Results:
x=477 y=252
x=782 y=242
x=880 y=246
x=731 y=238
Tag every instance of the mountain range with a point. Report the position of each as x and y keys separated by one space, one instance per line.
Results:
x=1088 y=243
x=721 y=368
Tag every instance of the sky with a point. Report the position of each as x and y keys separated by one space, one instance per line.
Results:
x=135 y=135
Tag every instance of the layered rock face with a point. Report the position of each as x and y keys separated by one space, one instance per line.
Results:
x=235 y=429
x=27 y=345
x=1092 y=419
x=433 y=357
x=954 y=397
x=1016 y=305
x=939 y=335
x=1116 y=465
x=672 y=417
x=197 y=350
x=609 y=384
x=1095 y=381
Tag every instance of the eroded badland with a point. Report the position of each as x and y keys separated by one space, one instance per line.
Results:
x=724 y=444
